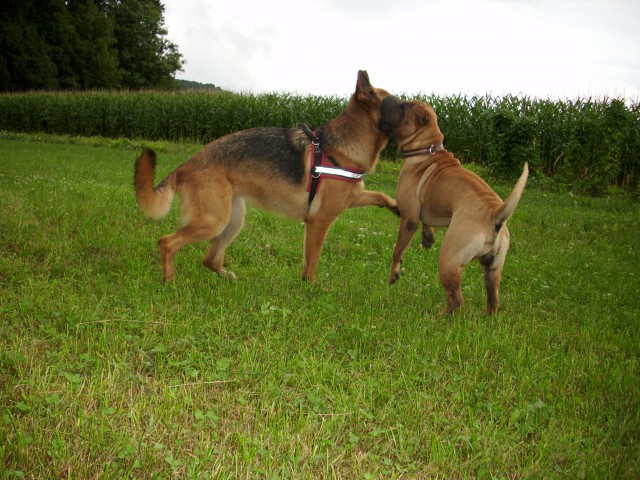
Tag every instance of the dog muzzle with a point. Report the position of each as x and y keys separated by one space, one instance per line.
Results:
x=391 y=114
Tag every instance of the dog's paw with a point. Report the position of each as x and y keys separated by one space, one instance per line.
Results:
x=428 y=236
x=427 y=242
x=393 y=207
x=395 y=276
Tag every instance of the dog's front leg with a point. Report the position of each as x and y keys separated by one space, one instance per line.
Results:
x=316 y=229
x=369 y=197
x=408 y=228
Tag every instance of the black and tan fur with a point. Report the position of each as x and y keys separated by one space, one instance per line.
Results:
x=268 y=167
x=435 y=190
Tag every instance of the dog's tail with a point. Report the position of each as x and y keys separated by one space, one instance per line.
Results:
x=154 y=202
x=510 y=204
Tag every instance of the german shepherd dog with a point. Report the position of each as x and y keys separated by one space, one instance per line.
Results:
x=435 y=190
x=269 y=167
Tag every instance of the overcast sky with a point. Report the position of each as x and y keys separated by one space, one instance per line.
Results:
x=540 y=48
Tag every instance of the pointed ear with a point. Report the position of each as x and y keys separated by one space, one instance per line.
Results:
x=423 y=113
x=363 y=87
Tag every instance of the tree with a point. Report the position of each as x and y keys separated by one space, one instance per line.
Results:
x=54 y=26
x=96 y=58
x=83 y=44
x=24 y=61
x=146 y=57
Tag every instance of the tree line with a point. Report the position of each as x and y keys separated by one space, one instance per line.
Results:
x=85 y=44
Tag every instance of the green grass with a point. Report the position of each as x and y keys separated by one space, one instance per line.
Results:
x=105 y=372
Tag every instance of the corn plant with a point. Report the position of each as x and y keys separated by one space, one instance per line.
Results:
x=588 y=145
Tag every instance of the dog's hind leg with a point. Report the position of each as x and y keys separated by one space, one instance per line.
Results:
x=492 y=264
x=169 y=245
x=428 y=237
x=205 y=215
x=492 y=284
x=214 y=260
x=450 y=279
x=455 y=253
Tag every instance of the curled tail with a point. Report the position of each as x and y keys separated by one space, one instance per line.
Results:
x=154 y=202
x=510 y=204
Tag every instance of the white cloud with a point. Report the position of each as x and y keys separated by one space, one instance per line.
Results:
x=541 y=48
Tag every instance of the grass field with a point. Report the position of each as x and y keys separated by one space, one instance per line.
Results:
x=105 y=372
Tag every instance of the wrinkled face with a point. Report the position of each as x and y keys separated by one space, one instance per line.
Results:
x=406 y=121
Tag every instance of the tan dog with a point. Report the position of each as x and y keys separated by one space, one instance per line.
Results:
x=270 y=167
x=434 y=188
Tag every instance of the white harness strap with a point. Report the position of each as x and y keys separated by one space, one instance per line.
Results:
x=339 y=172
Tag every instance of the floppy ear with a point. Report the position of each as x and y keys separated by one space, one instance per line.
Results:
x=422 y=113
x=363 y=87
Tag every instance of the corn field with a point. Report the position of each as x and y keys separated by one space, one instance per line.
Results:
x=590 y=146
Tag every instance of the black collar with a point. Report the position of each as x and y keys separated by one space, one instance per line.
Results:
x=431 y=150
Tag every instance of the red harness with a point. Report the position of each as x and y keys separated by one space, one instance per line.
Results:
x=323 y=167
